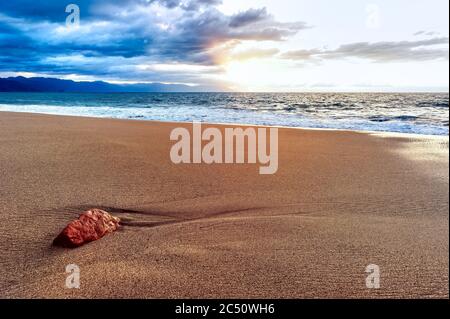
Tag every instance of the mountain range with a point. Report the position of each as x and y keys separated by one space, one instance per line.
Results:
x=40 y=84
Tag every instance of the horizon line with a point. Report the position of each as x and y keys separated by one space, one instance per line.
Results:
x=438 y=90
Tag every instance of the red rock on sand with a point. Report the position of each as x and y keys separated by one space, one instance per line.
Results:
x=91 y=225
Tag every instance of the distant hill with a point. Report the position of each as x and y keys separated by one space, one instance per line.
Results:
x=22 y=84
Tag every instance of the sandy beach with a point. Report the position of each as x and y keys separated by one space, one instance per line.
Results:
x=339 y=202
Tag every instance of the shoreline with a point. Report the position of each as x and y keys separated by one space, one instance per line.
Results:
x=341 y=200
x=386 y=134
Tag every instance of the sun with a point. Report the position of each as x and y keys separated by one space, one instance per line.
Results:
x=252 y=75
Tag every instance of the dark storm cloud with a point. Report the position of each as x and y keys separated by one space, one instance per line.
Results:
x=248 y=17
x=401 y=51
x=33 y=34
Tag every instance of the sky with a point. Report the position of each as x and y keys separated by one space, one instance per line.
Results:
x=238 y=45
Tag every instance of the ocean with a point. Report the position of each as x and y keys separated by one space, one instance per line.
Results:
x=418 y=113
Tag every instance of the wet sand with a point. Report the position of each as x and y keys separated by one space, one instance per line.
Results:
x=339 y=202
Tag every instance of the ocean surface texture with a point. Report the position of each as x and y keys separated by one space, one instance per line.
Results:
x=424 y=113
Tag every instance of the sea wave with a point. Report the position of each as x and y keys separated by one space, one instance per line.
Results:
x=404 y=113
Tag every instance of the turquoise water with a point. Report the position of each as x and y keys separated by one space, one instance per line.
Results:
x=426 y=113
